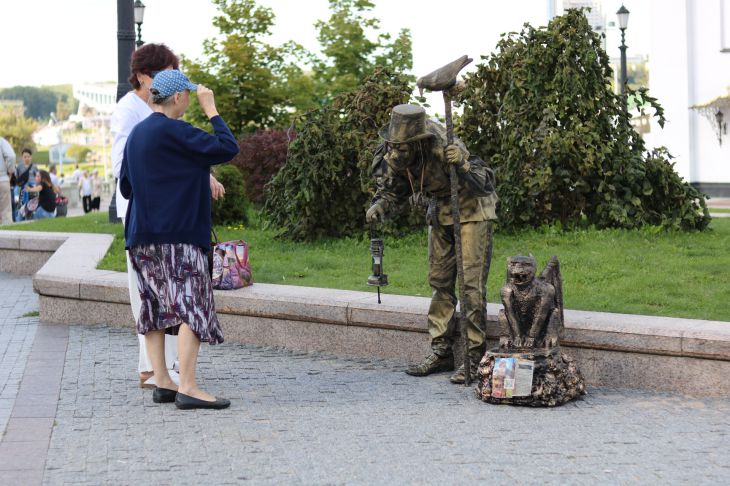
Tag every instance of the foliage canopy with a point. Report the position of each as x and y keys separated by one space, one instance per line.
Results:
x=17 y=130
x=561 y=142
x=261 y=155
x=350 y=55
x=261 y=86
x=323 y=188
x=254 y=82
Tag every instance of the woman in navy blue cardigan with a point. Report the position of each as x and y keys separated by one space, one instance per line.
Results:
x=165 y=177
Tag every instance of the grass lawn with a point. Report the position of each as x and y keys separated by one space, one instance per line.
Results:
x=720 y=210
x=637 y=272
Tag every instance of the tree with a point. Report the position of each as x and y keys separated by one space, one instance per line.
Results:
x=324 y=187
x=262 y=154
x=350 y=55
x=39 y=102
x=542 y=111
x=255 y=83
x=79 y=153
x=17 y=130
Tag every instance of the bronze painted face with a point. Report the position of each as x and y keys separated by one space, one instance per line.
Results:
x=399 y=155
x=521 y=270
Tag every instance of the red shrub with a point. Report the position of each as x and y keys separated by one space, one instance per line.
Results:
x=262 y=154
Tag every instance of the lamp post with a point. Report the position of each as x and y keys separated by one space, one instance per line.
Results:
x=125 y=48
x=623 y=22
x=139 y=19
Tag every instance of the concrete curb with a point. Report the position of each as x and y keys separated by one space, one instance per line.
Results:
x=634 y=351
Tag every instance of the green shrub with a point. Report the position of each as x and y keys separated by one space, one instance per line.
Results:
x=324 y=188
x=542 y=111
x=232 y=209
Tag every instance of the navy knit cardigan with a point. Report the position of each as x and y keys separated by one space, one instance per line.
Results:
x=165 y=176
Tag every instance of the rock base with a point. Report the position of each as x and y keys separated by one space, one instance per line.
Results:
x=555 y=380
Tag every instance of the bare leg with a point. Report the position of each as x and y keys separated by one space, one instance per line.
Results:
x=155 y=344
x=188 y=345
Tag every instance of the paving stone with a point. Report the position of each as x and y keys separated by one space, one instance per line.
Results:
x=309 y=418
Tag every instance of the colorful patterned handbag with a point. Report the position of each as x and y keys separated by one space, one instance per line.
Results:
x=231 y=269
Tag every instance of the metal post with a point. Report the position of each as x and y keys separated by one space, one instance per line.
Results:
x=125 y=48
x=624 y=76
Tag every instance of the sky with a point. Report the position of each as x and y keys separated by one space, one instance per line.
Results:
x=49 y=42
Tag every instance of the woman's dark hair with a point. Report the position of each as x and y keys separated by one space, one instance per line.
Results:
x=26 y=151
x=46 y=179
x=149 y=59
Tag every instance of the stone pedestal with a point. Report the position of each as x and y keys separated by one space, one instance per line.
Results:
x=555 y=379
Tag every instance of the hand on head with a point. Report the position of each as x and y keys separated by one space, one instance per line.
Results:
x=207 y=101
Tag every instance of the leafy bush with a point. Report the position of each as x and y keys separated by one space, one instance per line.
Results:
x=542 y=111
x=78 y=153
x=233 y=207
x=261 y=156
x=323 y=189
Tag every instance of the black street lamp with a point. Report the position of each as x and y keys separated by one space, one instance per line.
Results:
x=125 y=48
x=623 y=22
x=139 y=19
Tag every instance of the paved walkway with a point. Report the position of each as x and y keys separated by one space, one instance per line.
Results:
x=314 y=419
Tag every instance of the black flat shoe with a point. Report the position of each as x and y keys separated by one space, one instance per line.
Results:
x=163 y=395
x=186 y=402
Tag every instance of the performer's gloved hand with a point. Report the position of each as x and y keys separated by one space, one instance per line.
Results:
x=375 y=213
x=455 y=155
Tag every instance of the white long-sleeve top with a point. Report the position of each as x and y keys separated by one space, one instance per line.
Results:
x=130 y=110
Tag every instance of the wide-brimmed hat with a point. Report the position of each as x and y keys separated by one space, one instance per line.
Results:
x=407 y=124
x=170 y=81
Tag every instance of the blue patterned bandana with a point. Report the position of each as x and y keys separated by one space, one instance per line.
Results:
x=167 y=83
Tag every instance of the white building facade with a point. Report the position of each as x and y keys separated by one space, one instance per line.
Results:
x=690 y=67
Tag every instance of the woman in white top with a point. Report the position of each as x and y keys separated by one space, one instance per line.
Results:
x=95 y=190
x=131 y=109
x=85 y=189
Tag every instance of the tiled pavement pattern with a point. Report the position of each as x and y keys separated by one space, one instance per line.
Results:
x=16 y=337
x=313 y=419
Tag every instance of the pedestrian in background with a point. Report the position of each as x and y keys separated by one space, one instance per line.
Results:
x=95 y=190
x=54 y=178
x=46 y=192
x=165 y=176
x=7 y=171
x=85 y=190
x=76 y=174
x=25 y=174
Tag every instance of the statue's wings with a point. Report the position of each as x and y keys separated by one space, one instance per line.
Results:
x=551 y=275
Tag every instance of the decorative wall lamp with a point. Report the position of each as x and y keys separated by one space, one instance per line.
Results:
x=714 y=112
x=720 y=125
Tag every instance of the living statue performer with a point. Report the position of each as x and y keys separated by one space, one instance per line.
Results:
x=413 y=164
x=530 y=327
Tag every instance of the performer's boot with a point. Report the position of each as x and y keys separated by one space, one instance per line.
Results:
x=433 y=363
x=459 y=376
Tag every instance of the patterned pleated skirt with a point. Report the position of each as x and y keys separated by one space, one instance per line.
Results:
x=175 y=288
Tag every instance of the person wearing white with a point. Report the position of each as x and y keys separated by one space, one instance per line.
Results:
x=85 y=188
x=7 y=167
x=131 y=109
x=76 y=174
x=54 y=178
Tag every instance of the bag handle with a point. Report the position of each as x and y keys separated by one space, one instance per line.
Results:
x=215 y=236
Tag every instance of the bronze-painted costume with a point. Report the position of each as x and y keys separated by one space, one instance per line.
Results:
x=413 y=164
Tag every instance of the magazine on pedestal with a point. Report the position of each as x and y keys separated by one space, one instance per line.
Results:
x=512 y=377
